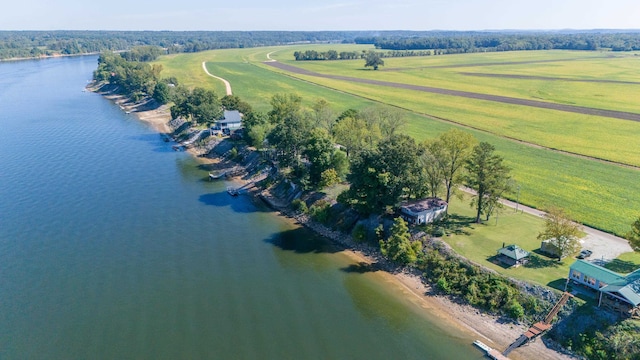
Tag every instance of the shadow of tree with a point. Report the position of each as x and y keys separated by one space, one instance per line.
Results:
x=301 y=241
x=361 y=268
x=621 y=266
x=539 y=262
x=456 y=224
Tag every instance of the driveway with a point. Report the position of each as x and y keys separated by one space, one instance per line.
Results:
x=605 y=246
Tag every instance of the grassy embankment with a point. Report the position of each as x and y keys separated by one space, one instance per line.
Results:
x=584 y=187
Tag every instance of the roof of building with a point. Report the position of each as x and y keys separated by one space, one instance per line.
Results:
x=598 y=272
x=426 y=204
x=232 y=116
x=628 y=286
x=514 y=252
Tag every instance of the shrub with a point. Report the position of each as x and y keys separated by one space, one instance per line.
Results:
x=300 y=206
x=437 y=232
x=328 y=178
x=359 y=233
x=515 y=310
x=320 y=211
x=233 y=153
x=443 y=285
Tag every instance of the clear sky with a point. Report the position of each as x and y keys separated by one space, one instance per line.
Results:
x=318 y=14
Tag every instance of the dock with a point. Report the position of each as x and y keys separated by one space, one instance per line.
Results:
x=538 y=328
x=490 y=352
x=232 y=191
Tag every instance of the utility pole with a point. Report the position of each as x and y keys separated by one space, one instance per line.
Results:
x=517 y=198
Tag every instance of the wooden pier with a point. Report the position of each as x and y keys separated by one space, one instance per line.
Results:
x=492 y=353
x=540 y=327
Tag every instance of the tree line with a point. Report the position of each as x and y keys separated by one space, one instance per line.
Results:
x=382 y=166
x=314 y=55
x=19 y=44
x=482 y=42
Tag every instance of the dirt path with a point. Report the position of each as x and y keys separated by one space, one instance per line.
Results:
x=226 y=83
x=269 y=57
x=466 y=94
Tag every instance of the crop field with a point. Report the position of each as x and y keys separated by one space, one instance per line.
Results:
x=571 y=132
x=596 y=193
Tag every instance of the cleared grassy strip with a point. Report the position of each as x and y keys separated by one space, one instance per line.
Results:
x=257 y=85
x=472 y=59
x=576 y=133
x=610 y=96
x=188 y=67
x=621 y=67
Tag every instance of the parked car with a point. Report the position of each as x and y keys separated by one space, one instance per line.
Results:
x=584 y=254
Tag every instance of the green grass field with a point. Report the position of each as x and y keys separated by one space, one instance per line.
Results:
x=480 y=243
x=597 y=194
x=574 y=133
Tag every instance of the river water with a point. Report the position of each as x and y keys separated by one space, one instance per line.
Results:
x=113 y=246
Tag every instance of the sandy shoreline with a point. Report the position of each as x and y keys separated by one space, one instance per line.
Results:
x=465 y=319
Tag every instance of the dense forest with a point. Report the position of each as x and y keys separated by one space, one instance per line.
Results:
x=497 y=41
x=30 y=44
x=19 y=44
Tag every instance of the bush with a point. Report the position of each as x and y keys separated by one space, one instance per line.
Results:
x=443 y=285
x=300 y=206
x=328 y=178
x=478 y=288
x=233 y=153
x=320 y=211
x=515 y=310
x=437 y=232
x=359 y=233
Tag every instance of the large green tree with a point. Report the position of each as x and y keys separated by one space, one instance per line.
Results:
x=450 y=151
x=561 y=231
x=319 y=151
x=399 y=247
x=351 y=132
x=388 y=119
x=433 y=176
x=322 y=115
x=382 y=177
x=488 y=177
x=373 y=59
x=205 y=106
x=634 y=235
x=291 y=128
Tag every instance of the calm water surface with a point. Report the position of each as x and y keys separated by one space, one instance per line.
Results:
x=113 y=246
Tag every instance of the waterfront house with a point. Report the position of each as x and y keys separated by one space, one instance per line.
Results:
x=620 y=293
x=424 y=211
x=513 y=255
x=232 y=120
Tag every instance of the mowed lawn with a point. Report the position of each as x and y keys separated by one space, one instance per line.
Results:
x=601 y=195
x=480 y=243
